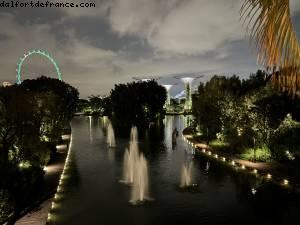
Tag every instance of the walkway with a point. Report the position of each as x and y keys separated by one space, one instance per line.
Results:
x=276 y=171
x=38 y=215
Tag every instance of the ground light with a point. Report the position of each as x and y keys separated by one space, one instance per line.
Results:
x=59 y=190
x=253 y=190
x=233 y=163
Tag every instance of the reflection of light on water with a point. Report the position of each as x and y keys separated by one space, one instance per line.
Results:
x=104 y=122
x=207 y=166
x=111 y=155
x=90 y=128
x=169 y=124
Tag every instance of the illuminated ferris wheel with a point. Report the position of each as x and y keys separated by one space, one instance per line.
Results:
x=36 y=52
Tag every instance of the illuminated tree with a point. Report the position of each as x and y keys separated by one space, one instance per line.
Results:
x=270 y=27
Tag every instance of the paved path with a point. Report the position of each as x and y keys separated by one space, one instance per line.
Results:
x=276 y=169
x=39 y=215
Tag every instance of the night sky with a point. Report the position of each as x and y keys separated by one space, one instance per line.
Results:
x=120 y=39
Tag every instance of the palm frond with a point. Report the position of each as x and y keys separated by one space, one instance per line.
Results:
x=270 y=27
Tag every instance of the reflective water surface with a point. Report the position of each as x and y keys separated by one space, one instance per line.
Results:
x=93 y=193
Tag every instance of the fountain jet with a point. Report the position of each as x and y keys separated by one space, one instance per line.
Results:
x=140 y=192
x=186 y=175
x=110 y=136
x=136 y=170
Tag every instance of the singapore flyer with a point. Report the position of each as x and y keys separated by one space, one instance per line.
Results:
x=38 y=52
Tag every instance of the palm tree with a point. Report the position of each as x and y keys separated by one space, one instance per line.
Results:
x=270 y=27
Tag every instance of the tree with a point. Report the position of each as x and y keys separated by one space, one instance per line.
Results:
x=270 y=27
x=137 y=103
x=57 y=102
x=207 y=103
x=17 y=107
x=96 y=104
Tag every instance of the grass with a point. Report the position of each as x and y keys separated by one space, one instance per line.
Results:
x=262 y=154
x=220 y=145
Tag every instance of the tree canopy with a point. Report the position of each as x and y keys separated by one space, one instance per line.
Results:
x=137 y=103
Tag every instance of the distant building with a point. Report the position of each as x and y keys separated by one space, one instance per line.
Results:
x=6 y=84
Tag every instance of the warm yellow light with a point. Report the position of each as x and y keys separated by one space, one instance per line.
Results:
x=269 y=176
x=203 y=150
x=216 y=156
x=224 y=159
x=209 y=152
x=66 y=137
x=255 y=171
x=233 y=163
x=243 y=167
x=285 y=182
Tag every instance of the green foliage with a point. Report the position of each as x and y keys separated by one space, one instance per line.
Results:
x=33 y=116
x=95 y=105
x=261 y=154
x=5 y=205
x=138 y=103
x=286 y=138
x=247 y=114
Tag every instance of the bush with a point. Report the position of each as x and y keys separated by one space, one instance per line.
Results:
x=263 y=154
x=5 y=206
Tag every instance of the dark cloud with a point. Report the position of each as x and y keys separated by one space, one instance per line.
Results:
x=35 y=15
x=98 y=47
x=97 y=32
x=4 y=37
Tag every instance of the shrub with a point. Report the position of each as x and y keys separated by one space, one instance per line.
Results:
x=262 y=154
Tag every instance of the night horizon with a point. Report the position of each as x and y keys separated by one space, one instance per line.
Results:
x=100 y=46
x=141 y=112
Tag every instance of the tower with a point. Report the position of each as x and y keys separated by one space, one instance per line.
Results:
x=188 y=92
x=168 y=101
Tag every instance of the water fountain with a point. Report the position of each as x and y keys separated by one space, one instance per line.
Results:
x=110 y=136
x=207 y=166
x=186 y=175
x=136 y=170
x=140 y=192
